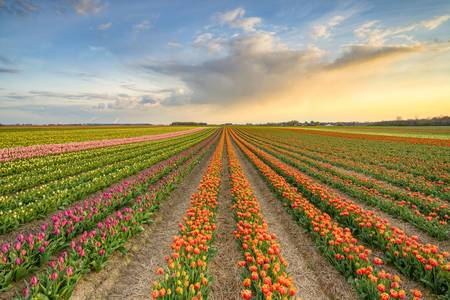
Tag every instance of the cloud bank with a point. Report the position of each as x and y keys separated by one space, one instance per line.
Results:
x=259 y=65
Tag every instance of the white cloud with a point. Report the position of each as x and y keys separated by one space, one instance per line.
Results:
x=96 y=48
x=144 y=25
x=435 y=22
x=235 y=19
x=232 y=15
x=174 y=45
x=257 y=43
x=373 y=34
x=127 y=102
x=365 y=28
x=323 y=30
x=209 y=41
x=104 y=26
x=88 y=7
x=376 y=36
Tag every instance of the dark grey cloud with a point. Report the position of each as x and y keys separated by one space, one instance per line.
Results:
x=5 y=60
x=19 y=7
x=26 y=7
x=9 y=70
x=16 y=97
x=70 y=96
x=176 y=99
x=133 y=87
x=147 y=100
x=43 y=113
x=99 y=101
x=7 y=66
x=361 y=54
x=82 y=75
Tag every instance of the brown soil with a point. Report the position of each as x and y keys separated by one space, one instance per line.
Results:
x=223 y=267
x=130 y=276
x=314 y=277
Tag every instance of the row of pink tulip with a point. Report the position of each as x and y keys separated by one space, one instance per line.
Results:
x=41 y=150
x=31 y=249
x=90 y=250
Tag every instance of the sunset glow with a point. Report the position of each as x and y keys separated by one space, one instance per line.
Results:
x=155 y=62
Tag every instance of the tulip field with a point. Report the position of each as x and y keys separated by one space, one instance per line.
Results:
x=135 y=212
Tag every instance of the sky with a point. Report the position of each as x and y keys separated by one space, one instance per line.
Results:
x=107 y=61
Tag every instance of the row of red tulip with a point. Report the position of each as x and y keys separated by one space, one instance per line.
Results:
x=264 y=267
x=387 y=162
x=338 y=244
x=186 y=275
x=426 y=204
x=430 y=216
x=424 y=262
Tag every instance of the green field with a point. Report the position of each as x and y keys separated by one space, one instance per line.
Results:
x=430 y=132
x=15 y=136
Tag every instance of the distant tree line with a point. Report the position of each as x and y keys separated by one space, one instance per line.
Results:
x=436 y=121
x=188 y=124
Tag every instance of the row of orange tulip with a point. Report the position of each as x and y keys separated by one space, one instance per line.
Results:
x=412 y=167
x=338 y=244
x=417 y=260
x=186 y=275
x=265 y=275
x=427 y=213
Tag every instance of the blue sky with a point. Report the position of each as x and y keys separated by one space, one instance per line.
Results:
x=76 y=61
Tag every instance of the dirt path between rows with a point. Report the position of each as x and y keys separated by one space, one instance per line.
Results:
x=130 y=276
x=314 y=277
x=223 y=267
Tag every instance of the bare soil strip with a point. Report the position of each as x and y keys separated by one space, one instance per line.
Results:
x=130 y=276
x=223 y=267
x=313 y=275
